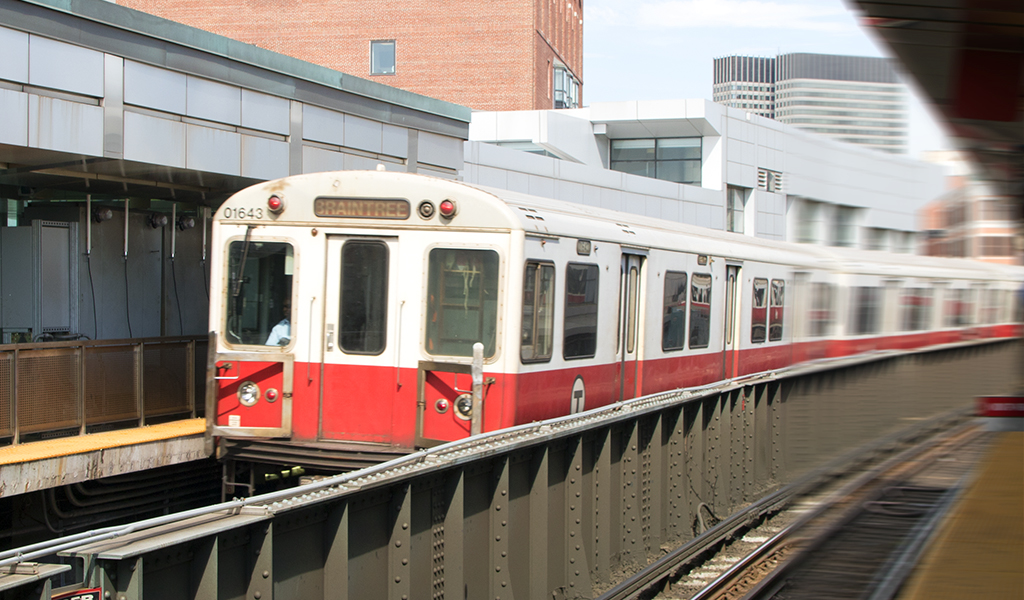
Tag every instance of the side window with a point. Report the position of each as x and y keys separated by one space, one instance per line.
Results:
x=759 y=311
x=700 y=310
x=259 y=293
x=864 y=310
x=364 y=293
x=822 y=298
x=538 y=312
x=673 y=318
x=581 y=281
x=777 y=302
x=462 y=301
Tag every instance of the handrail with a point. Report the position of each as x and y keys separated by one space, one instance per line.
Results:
x=100 y=382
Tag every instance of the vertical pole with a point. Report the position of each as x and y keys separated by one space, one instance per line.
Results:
x=81 y=390
x=336 y=553
x=501 y=578
x=477 y=372
x=539 y=525
x=261 y=561
x=140 y=387
x=15 y=356
x=603 y=504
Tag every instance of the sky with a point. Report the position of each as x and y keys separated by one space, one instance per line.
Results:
x=663 y=49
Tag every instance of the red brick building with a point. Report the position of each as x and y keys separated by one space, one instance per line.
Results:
x=488 y=55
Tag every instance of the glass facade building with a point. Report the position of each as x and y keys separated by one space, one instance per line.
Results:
x=855 y=99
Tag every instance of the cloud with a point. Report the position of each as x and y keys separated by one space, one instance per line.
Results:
x=694 y=14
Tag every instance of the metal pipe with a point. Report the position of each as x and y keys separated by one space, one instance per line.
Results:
x=88 y=224
x=477 y=373
x=174 y=228
x=126 y=228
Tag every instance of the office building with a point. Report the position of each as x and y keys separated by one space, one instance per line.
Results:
x=701 y=163
x=854 y=99
x=494 y=55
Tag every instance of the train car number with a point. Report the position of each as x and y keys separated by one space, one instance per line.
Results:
x=243 y=213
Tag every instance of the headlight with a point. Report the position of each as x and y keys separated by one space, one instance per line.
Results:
x=248 y=393
x=464 y=406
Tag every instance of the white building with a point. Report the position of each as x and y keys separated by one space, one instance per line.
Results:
x=705 y=164
x=855 y=99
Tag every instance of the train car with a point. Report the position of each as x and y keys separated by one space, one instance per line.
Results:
x=345 y=308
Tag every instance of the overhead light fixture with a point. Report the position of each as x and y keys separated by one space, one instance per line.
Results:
x=101 y=214
x=157 y=220
x=185 y=222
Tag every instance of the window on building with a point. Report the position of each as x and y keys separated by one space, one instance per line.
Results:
x=843 y=226
x=670 y=159
x=462 y=301
x=382 y=57
x=538 y=312
x=700 y=310
x=566 y=88
x=769 y=181
x=736 y=201
x=673 y=319
x=581 y=283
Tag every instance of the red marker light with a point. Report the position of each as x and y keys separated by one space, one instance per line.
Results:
x=441 y=405
x=275 y=204
x=447 y=209
x=271 y=395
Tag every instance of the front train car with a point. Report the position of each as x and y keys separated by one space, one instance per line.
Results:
x=341 y=304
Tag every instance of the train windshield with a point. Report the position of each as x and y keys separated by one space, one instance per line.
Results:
x=259 y=293
x=462 y=301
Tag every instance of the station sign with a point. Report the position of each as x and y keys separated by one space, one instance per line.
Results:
x=362 y=208
x=1001 y=406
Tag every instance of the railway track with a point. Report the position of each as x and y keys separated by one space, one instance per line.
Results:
x=852 y=537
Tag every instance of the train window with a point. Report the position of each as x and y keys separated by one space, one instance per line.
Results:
x=759 y=312
x=776 y=302
x=865 y=310
x=364 y=295
x=581 y=285
x=700 y=310
x=959 y=306
x=538 y=312
x=917 y=308
x=259 y=293
x=462 y=301
x=673 y=319
x=631 y=310
x=822 y=307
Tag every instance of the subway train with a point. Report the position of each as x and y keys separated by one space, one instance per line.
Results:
x=346 y=309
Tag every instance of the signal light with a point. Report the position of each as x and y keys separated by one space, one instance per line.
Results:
x=447 y=208
x=275 y=205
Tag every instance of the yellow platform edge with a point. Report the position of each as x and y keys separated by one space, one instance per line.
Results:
x=42 y=450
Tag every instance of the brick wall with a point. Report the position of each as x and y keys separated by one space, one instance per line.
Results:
x=485 y=54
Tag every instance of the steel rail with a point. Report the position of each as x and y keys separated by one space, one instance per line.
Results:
x=773 y=581
x=666 y=566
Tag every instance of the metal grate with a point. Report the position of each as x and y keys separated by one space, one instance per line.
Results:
x=111 y=385
x=6 y=426
x=165 y=378
x=439 y=509
x=646 y=440
x=48 y=386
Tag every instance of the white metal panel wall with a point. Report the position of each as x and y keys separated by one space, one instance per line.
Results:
x=213 y=150
x=152 y=87
x=264 y=112
x=140 y=131
x=14 y=124
x=14 y=50
x=66 y=67
x=218 y=102
x=55 y=124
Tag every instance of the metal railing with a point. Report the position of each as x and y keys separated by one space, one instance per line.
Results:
x=62 y=386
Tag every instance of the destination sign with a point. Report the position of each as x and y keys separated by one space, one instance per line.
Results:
x=361 y=208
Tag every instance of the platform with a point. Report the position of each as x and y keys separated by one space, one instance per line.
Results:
x=50 y=463
x=978 y=551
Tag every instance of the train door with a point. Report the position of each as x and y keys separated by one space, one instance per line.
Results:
x=732 y=321
x=360 y=370
x=630 y=331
